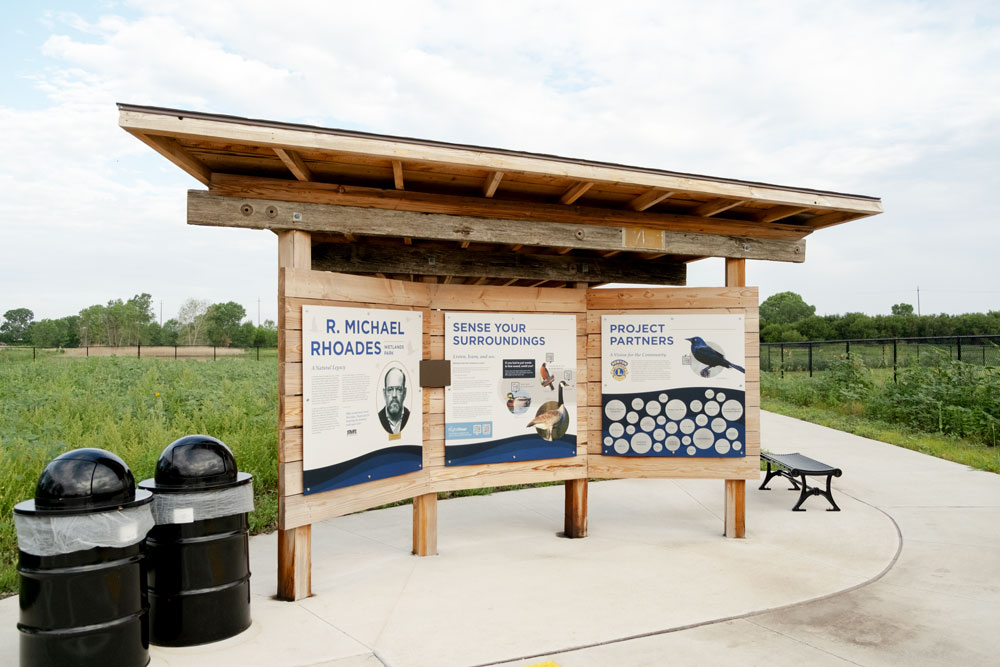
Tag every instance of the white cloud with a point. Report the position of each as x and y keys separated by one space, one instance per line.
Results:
x=898 y=99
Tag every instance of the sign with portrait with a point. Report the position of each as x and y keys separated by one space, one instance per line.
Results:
x=513 y=387
x=362 y=408
x=673 y=385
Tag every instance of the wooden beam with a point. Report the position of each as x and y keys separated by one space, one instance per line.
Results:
x=575 y=192
x=736 y=489
x=295 y=544
x=465 y=244
x=173 y=151
x=610 y=253
x=294 y=578
x=425 y=525
x=211 y=210
x=371 y=259
x=776 y=213
x=397 y=174
x=710 y=208
x=347 y=195
x=564 y=251
x=295 y=164
x=575 y=521
x=648 y=199
x=491 y=184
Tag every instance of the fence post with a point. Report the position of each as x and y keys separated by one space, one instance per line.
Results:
x=213 y=353
x=258 y=353
x=138 y=350
x=782 y=360
x=894 y=341
x=33 y=354
x=810 y=359
x=848 y=346
x=958 y=347
x=175 y=352
x=88 y=351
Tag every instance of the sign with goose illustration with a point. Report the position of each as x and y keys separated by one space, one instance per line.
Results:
x=513 y=387
x=673 y=385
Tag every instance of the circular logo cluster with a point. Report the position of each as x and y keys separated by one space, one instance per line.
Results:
x=705 y=422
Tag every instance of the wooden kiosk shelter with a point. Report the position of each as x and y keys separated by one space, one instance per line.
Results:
x=374 y=221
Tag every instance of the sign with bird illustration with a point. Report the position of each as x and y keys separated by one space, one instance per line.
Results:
x=513 y=390
x=673 y=385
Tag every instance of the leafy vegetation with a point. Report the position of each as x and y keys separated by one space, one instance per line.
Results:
x=949 y=408
x=785 y=317
x=131 y=322
x=133 y=408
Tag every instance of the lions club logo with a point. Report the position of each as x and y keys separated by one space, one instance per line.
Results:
x=619 y=369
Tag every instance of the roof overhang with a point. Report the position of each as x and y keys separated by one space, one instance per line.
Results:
x=383 y=191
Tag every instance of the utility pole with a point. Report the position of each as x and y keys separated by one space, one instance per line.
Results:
x=918 y=299
x=161 y=313
x=258 y=311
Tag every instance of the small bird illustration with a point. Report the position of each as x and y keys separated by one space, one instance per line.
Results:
x=709 y=356
x=547 y=378
x=550 y=419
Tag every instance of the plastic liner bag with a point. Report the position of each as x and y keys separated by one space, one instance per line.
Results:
x=50 y=535
x=201 y=505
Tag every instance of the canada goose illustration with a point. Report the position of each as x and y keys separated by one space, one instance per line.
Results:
x=548 y=421
x=547 y=377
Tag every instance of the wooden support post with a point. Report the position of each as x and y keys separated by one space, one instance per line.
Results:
x=576 y=508
x=736 y=489
x=575 y=524
x=425 y=521
x=736 y=503
x=294 y=549
x=294 y=544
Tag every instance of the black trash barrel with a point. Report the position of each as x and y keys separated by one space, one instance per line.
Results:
x=199 y=562
x=82 y=565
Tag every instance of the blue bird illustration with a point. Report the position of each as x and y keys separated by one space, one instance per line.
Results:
x=710 y=356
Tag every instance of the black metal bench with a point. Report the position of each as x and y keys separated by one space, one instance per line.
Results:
x=795 y=465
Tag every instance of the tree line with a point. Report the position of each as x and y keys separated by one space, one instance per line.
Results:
x=132 y=322
x=785 y=317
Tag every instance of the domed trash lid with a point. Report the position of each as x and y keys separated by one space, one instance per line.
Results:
x=84 y=481
x=195 y=463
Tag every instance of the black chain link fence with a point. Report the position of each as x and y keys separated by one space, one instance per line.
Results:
x=894 y=353
x=11 y=353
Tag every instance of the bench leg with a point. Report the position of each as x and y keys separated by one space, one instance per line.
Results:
x=803 y=494
x=829 y=494
x=771 y=474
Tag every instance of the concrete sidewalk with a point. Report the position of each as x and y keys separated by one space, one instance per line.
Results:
x=655 y=582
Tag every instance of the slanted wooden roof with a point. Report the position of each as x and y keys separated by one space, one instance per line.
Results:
x=413 y=207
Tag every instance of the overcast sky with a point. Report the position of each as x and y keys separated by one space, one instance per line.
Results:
x=899 y=100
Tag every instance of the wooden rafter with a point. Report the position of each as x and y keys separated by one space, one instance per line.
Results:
x=295 y=164
x=776 y=213
x=710 y=208
x=610 y=253
x=648 y=199
x=575 y=192
x=173 y=151
x=492 y=183
x=397 y=174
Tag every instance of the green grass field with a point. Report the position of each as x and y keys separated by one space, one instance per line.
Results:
x=134 y=408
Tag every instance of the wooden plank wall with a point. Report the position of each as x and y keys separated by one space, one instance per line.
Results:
x=306 y=287
x=688 y=300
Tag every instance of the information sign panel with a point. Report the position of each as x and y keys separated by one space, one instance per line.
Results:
x=362 y=409
x=673 y=385
x=513 y=387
